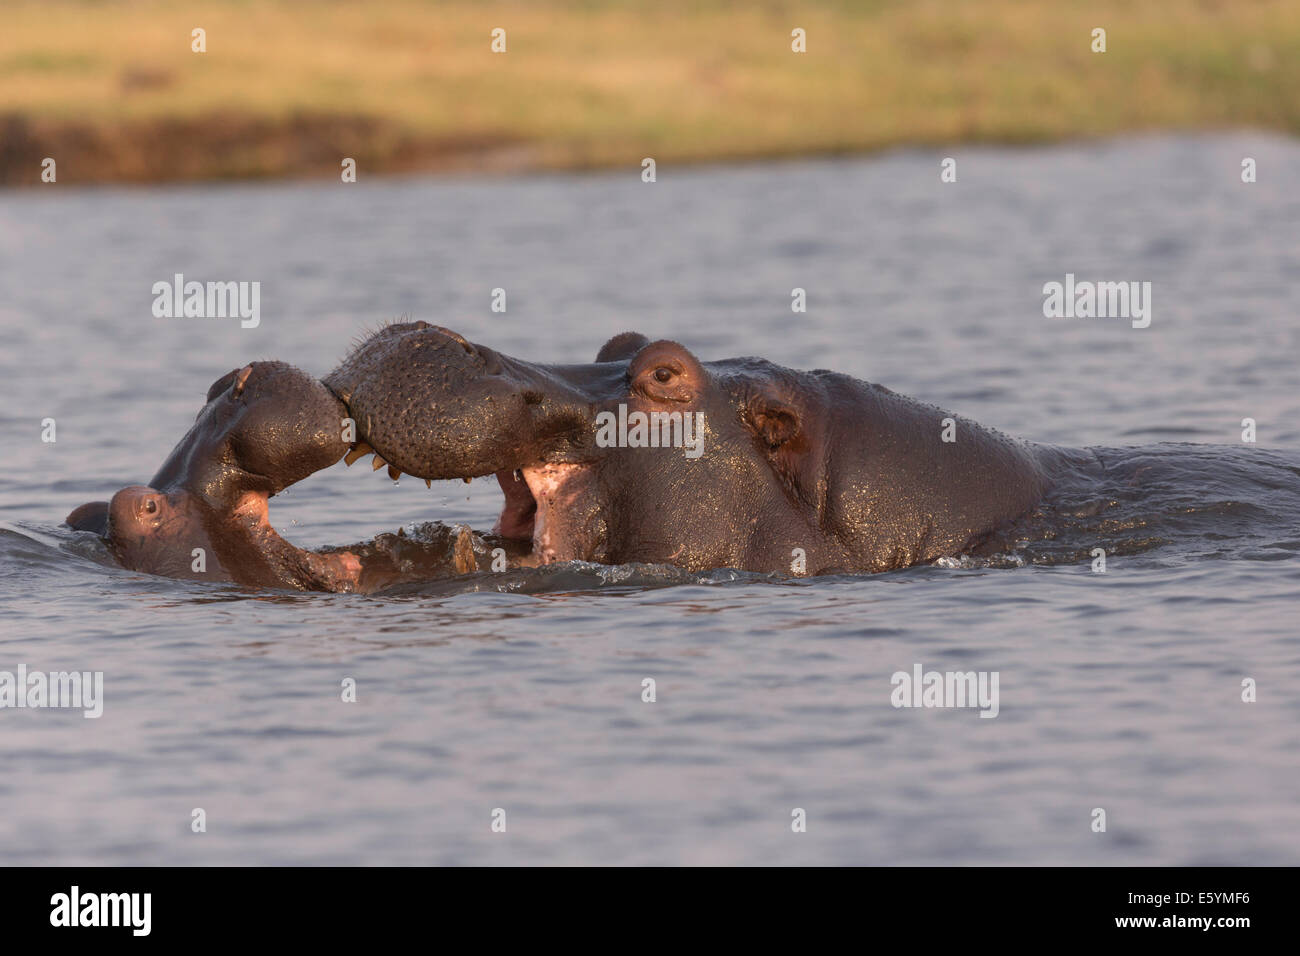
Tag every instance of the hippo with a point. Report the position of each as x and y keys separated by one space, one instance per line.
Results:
x=651 y=455
x=760 y=467
x=263 y=428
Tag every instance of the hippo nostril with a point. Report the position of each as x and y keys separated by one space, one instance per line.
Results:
x=455 y=336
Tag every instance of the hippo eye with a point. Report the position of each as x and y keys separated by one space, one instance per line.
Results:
x=663 y=373
x=151 y=506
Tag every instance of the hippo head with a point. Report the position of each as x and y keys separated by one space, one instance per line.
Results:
x=264 y=427
x=647 y=454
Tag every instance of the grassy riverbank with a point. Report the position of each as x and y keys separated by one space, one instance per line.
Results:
x=114 y=93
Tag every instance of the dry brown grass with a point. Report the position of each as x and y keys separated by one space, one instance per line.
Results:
x=288 y=87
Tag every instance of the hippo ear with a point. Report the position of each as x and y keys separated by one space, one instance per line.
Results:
x=775 y=422
x=221 y=384
x=622 y=346
x=92 y=516
x=790 y=437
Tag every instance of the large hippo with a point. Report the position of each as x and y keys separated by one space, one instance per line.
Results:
x=766 y=468
x=204 y=515
x=650 y=455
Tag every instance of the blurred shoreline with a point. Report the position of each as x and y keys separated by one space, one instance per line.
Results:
x=118 y=94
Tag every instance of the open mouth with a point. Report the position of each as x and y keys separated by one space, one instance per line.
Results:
x=336 y=571
x=542 y=505
x=540 y=500
x=365 y=567
x=518 y=518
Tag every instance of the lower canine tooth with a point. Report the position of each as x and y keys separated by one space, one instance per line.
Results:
x=463 y=551
x=359 y=452
x=378 y=463
x=428 y=483
x=393 y=473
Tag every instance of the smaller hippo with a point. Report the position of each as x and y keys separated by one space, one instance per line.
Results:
x=264 y=427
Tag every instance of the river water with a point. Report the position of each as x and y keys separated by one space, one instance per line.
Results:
x=1120 y=691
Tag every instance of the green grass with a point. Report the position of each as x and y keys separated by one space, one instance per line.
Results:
x=113 y=92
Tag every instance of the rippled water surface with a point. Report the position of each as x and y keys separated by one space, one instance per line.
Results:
x=523 y=692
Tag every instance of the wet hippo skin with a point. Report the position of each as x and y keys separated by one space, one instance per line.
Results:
x=812 y=470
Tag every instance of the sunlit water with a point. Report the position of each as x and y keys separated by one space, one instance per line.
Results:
x=523 y=691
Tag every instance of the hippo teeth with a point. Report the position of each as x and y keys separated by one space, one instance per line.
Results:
x=358 y=451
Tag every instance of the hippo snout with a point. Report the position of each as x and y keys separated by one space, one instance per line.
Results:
x=431 y=404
